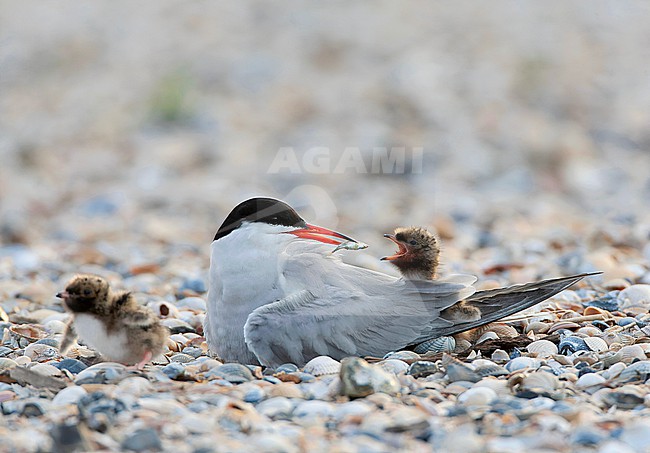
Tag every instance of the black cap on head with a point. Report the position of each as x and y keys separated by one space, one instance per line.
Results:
x=267 y=210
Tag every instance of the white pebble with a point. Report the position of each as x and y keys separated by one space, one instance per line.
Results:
x=634 y=296
x=590 y=382
x=477 y=396
x=69 y=395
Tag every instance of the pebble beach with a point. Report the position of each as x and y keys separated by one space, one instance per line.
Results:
x=128 y=134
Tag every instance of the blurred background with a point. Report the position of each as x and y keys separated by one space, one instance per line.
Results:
x=126 y=130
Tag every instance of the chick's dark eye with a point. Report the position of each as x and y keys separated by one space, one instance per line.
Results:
x=87 y=292
x=413 y=242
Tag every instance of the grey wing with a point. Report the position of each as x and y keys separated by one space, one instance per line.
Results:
x=344 y=310
x=501 y=302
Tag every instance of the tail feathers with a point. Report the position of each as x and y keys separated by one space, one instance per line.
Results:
x=498 y=303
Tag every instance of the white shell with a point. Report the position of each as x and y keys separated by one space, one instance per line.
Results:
x=440 y=344
x=520 y=363
x=46 y=370
x=487 y=336
x=634 y=296
x=163 y=309
x=500 y=356
x=321 y=365
x=596 y=344
x=590 y=381
x=543 y=348
x=628 y=353
x=477 y=396
x=40 y=352
x=394 y=366
x=540 y=380
x=537 y=327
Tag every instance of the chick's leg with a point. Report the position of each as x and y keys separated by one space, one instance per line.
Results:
x=146 y=359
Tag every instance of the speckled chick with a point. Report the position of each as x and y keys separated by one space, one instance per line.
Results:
x=417 y=258
x=112 y=323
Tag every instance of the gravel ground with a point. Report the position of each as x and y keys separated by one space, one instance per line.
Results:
x=128 y=133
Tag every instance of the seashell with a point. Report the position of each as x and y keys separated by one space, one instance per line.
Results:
x=402 y=355
x=45 y=369
x=458 y=371
x=163 y=309
x=626 y=339
x=176 y=325
x=568 y=325
x=500 y=356
x=23 y=360
x=625 y=397
x=477 y=396
x=540 y=382
x=55 y=326
x=520 y=363
x=172 y=345
x=543 y=348
x=31 y=332
x=596 y=344
x=232 y=372
x=590 y=381
x=537 y=327
x=491 y=369
x=502 y=330
x=635 y=372
x=462 y=345
x=7 y=364
x=322 y=365
x=487 y=336
x=629 y=353
x=589 y=311
x=394 y=366
x=422 y=368
x=498 y=385
x=611 y=337
x=440 y=344
x=635 y=296
x=41 y=352
x=588 y=357
x=570 y=344
x=589 y=331
x=614 y=370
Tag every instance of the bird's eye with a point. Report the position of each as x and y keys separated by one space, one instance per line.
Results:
x=413 y=242
x=87 y=292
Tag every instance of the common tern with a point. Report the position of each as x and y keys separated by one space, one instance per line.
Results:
x=277 y=294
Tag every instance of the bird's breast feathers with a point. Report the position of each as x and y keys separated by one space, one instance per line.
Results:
x=112 y=344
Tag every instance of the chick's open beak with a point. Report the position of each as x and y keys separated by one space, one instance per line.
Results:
x=62 y=295
x=400 y=253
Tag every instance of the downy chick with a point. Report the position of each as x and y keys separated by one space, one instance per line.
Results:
x=112 y=323
x=417 y=258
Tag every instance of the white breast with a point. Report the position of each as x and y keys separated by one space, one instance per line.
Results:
x=93 y=332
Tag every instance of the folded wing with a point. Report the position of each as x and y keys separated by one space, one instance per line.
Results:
x=347 y=311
